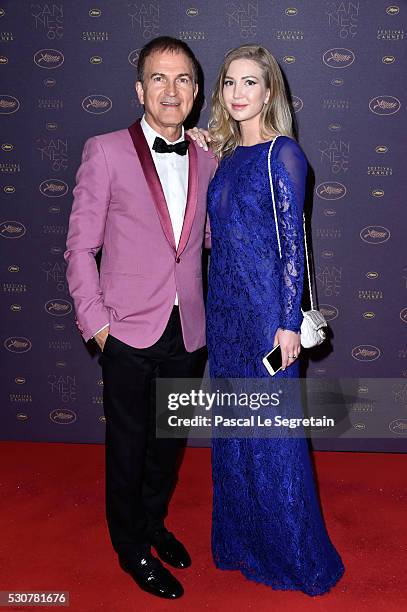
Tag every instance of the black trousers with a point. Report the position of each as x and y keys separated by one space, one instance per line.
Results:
x=141 y=470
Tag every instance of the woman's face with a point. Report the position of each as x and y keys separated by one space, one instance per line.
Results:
x=244 y=90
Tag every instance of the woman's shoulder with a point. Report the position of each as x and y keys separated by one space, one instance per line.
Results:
x=286 y=148
x=287 y=142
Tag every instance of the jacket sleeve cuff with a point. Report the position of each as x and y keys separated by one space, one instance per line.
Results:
x=99 y=330
x=90 y=326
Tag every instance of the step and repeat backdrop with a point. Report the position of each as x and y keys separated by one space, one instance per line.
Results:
x=67 y=72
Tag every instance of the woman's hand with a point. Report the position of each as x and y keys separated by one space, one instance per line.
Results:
x=201 y=137
x=290 y=344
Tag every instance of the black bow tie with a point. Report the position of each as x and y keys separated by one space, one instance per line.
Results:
x=162 y=147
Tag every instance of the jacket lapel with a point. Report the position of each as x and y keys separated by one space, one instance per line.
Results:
x=192 y=196
x=153 y=181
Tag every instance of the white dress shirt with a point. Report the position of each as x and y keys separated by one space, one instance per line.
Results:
x=172 y=170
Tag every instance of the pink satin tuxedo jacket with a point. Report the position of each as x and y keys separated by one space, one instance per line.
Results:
x=119 y=207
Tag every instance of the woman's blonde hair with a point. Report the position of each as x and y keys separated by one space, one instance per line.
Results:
x=275 y=115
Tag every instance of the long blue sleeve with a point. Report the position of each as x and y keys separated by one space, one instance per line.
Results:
x=289 y=172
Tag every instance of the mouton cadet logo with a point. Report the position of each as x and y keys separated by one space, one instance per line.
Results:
x=331 y=190
x=97 y=104
x=12 y=229
x=53 y=188
x=375 y=234
x=49 y=58
x=8 y=104
x=384 y=105
x=338 y=57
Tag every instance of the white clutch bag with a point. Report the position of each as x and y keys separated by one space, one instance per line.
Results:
x=312 y=328
x=314 y=324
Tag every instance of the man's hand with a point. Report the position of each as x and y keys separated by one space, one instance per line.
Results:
x=101 y=337
x=201 y=137
x=290 y=344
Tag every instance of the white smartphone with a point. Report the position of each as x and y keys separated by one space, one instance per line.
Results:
x=273 y=361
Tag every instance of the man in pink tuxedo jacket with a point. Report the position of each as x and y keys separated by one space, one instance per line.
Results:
x=141 y=198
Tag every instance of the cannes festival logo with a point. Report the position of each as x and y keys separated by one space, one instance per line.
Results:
x=298 y=104
x=331 y=190
x=12 y=229
x=133 y=57
x=338 y=58
x=63 y=416
x=49 y=58
x=334 y=127
x=366 y=352
x=377 y=193
x=22 y=416
x=399 y=426
x=97 y=104
x=17 y=344
x=58 y=307
x=330 y=312
x=8 y=104
x=375 y=234
x=56 y=250
x=53 y=188
x=384 y=105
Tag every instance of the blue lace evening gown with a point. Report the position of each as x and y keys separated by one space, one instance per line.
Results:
x=267 y=521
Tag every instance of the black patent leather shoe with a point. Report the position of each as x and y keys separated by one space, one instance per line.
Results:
x=151 y=576
x=169 y=549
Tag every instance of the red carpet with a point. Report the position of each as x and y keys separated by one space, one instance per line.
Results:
x=53 y=534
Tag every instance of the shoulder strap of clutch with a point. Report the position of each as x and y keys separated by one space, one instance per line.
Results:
x=277 y=229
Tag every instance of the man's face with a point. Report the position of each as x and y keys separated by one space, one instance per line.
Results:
x=168 y=91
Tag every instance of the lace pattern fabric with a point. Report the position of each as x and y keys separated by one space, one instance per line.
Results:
x=266 y=519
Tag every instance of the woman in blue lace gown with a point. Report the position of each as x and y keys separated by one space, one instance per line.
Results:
x=266 y=518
